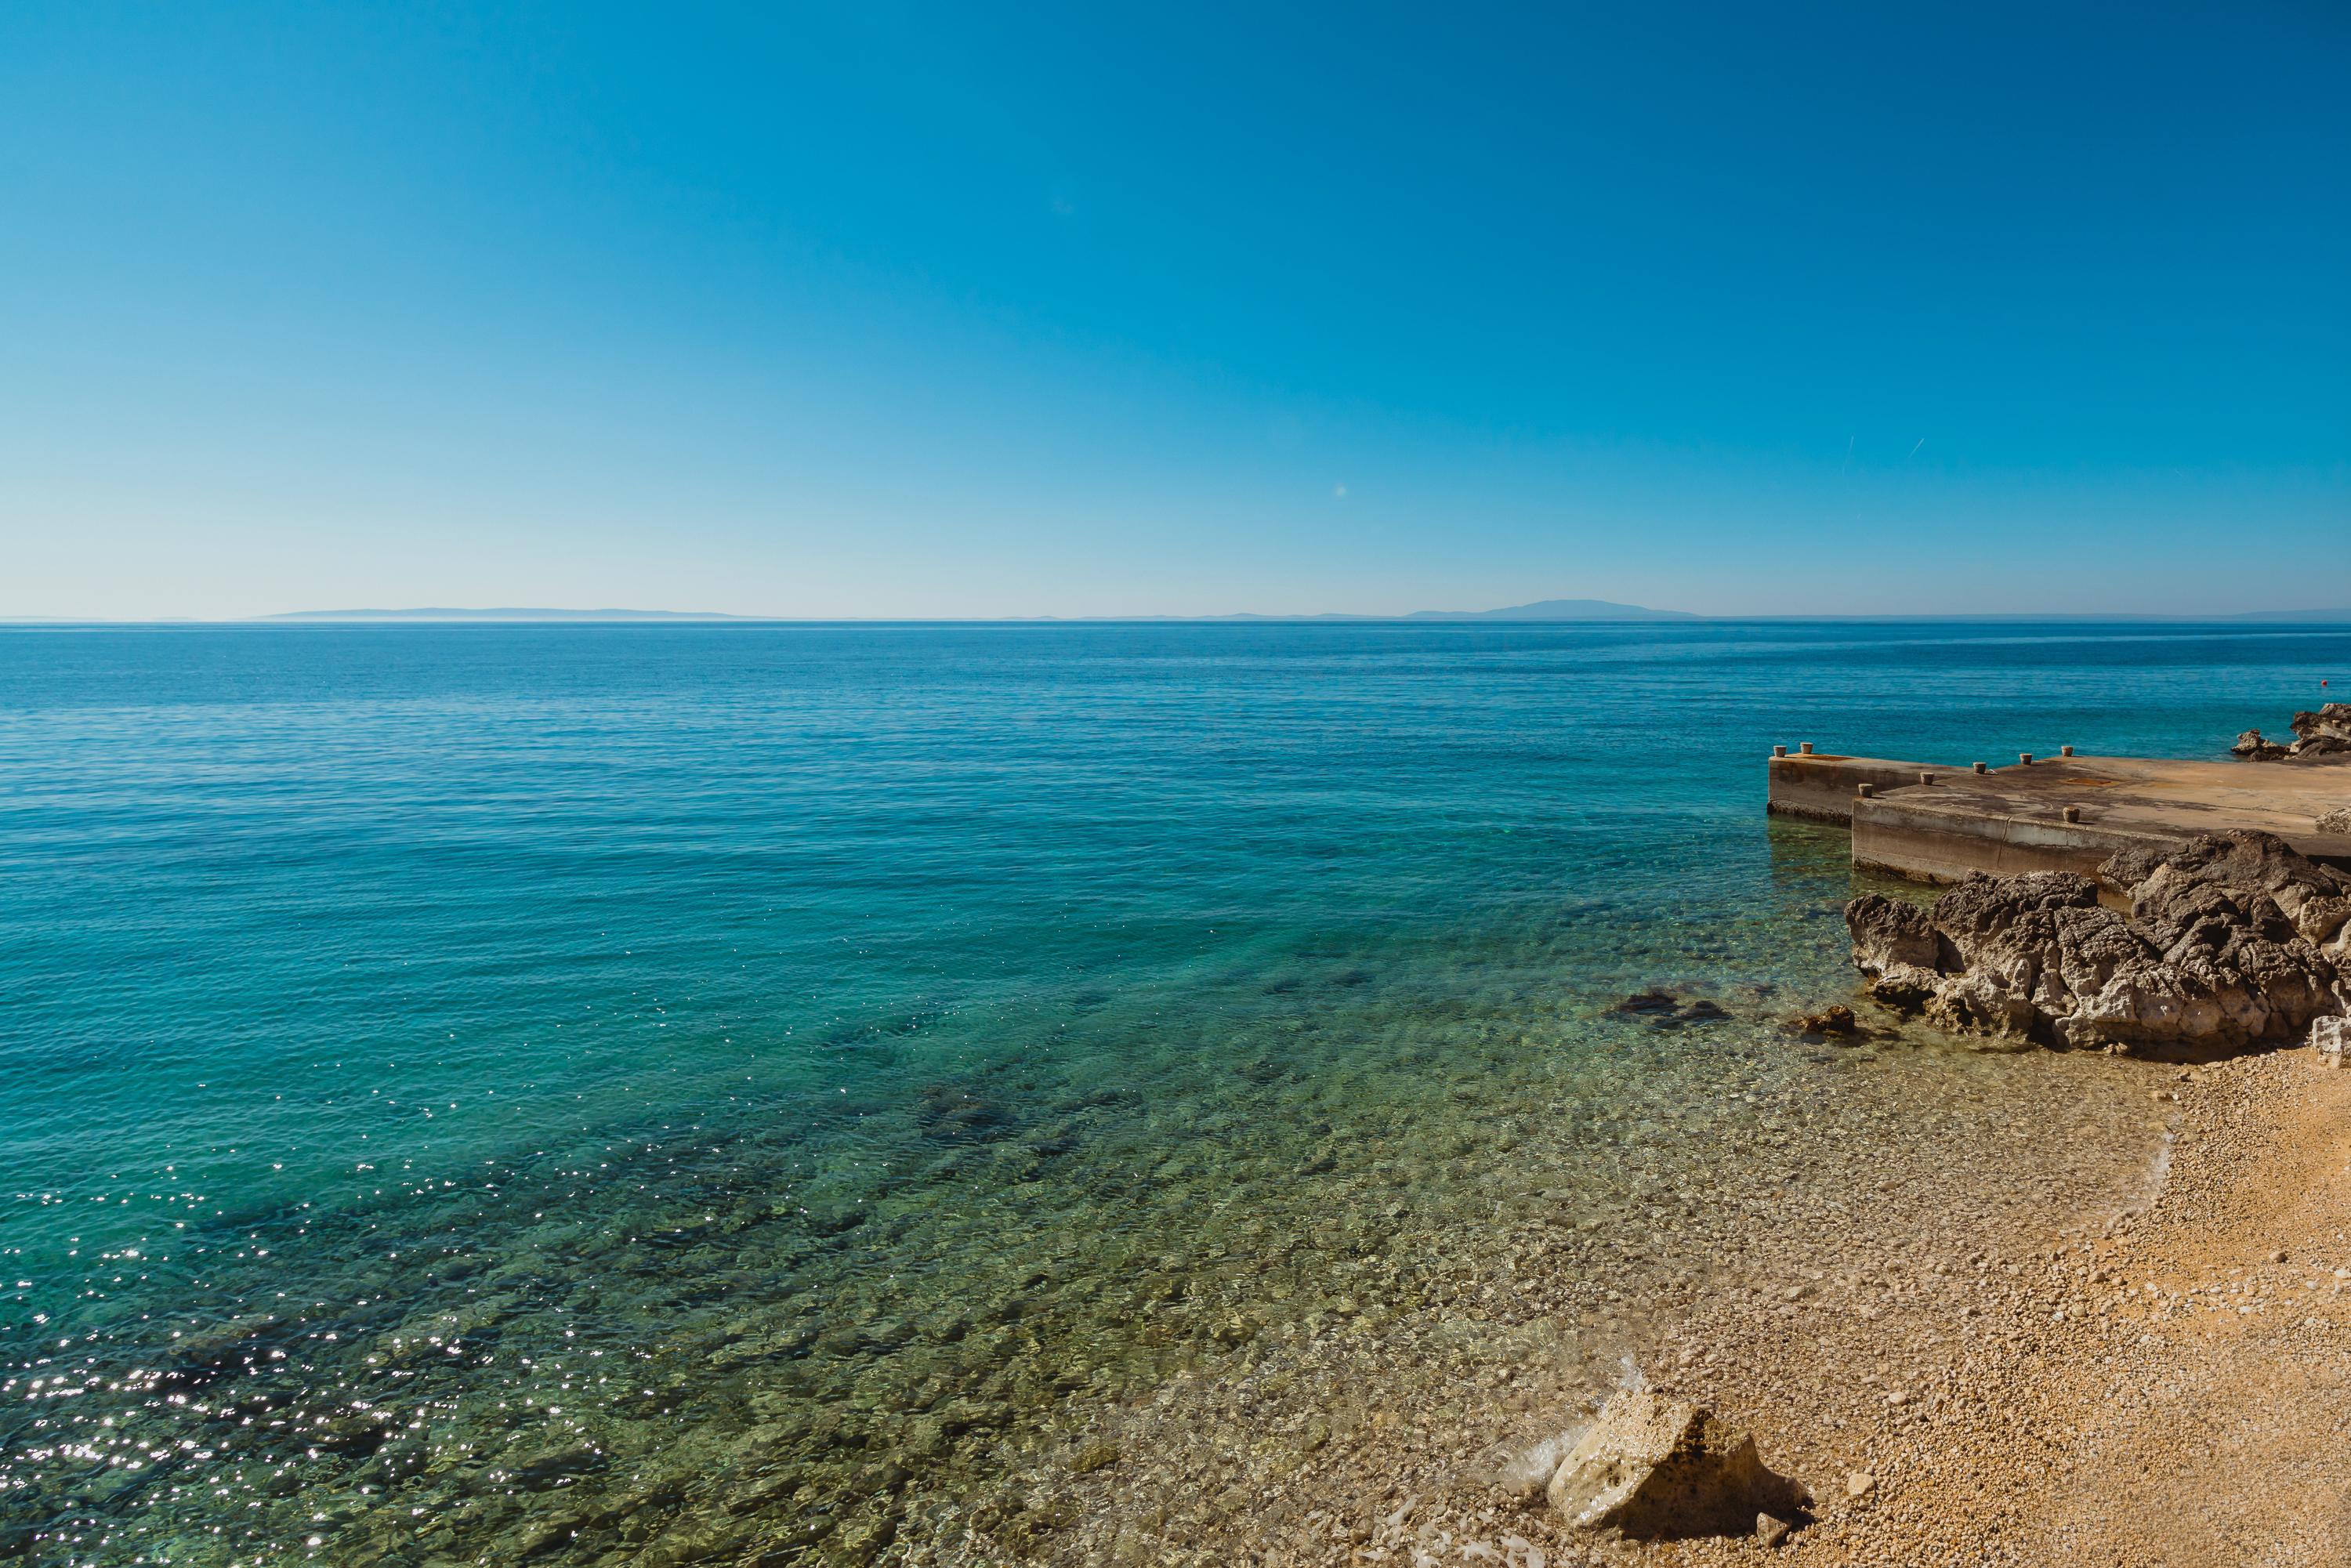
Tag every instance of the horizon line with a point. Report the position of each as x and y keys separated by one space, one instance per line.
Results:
x=1641 y=616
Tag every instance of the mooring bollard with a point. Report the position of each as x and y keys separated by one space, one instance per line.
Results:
x=1868 y=791
x=2064 y=751
x=1778 y=751
x=2024 y=757
x=1804 y=747
x=2073 y=813
x=1926 y=778
x=1981 y=767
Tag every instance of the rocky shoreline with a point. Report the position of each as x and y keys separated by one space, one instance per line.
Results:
x=1961 y=1391
x=2233 y=941
x=2230 y=943
x=2324 y=732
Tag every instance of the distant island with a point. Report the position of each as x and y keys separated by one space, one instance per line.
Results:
x=1541 y=610
x=505 y=615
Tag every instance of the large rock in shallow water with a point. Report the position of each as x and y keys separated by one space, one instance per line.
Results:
x=2232 y=940
x=1653 y=1467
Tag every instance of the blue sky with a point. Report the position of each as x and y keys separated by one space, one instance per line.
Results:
x=876 y=309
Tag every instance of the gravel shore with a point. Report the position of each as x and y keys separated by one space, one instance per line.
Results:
x=2167 y=1383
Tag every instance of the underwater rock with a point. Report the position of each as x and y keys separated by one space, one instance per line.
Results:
x=700 y=1541
x=358 y=1432
x=1095 y=1454
x=1656 y=1468
x=2222 y=949
x=1650 y=1002
x=1667 y=1010
x=1835 y=1019
x=950 y=1115
x=552 y=1468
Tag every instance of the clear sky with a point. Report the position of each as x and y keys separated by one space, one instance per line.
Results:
x=879 y=309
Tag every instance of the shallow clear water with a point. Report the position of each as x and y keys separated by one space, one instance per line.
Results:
x=725 y=1093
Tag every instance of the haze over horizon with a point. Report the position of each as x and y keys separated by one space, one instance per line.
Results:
x=853 y=313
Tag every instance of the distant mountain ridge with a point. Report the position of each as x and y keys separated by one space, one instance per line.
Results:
x=505 y=615
x=1541 y=610
x=1558 y=610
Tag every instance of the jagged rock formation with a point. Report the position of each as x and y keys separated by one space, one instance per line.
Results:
x=2326 y=733
x=2232 y=940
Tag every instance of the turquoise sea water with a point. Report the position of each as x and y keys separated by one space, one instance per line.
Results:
x=675 y=1094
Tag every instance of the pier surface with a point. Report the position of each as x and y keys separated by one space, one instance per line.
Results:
x=2015 y=818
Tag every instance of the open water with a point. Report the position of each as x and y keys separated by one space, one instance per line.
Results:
x=731 y=1094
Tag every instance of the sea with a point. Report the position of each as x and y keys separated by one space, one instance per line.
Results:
x=736 y=1092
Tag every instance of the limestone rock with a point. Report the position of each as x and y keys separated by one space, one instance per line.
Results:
x=1657 y=1468
x=2225 y=946
x=1897 y=946
x=2325 y=733
x=2338 y=821
x=2331 y=1037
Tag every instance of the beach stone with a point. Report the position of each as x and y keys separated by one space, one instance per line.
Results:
x=1771 y=1532
x=2338 y=821
x=2331 y=1037
x=1097 y=1454
x=2220 y=950
x=1656 y=1468
x=698 y=1540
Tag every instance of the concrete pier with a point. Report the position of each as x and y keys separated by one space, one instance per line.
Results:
x=1938 y=822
